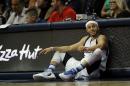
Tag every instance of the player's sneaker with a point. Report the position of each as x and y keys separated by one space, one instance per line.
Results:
x=68 y=75
x=46 y=75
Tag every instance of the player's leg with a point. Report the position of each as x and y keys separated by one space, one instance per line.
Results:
x=85 y=62
x=72 y=63
x=56 y=59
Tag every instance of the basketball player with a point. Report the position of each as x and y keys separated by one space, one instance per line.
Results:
x=94 y=46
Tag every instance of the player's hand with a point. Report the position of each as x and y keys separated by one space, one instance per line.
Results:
x=86 y=49
x=83 y=49
x=46 y=50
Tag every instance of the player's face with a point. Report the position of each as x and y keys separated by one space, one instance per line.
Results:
x=92 y=29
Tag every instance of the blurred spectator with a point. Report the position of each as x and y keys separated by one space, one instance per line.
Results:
x=77 y=5
x=62 y=12
x=7 y=3
x=8 y=10
x=88 y=7
x=97 y=6
x=80 y=6
x=16 y=12
x=45 y=8
x=32 y=16
x=119 y=9
x=128 y=2
x=105 y=12
x=93 y=7
x=26 y=3
x=2 y=8
x=2 y=20
x=26 y=6
x=32 y=4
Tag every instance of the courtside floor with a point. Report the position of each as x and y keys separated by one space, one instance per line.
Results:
x=76 y=83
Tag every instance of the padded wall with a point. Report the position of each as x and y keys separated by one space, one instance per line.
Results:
x=28 y=37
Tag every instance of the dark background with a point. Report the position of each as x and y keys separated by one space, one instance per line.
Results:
x=14 y=37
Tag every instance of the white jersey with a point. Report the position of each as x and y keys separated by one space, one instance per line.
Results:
x=91 y=42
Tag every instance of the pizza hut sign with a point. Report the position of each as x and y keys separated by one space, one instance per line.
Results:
x=7 y=54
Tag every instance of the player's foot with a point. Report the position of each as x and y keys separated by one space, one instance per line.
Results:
x=46 y=75
x=68 y=75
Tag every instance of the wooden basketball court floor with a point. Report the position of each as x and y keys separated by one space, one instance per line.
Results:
x=75 y=83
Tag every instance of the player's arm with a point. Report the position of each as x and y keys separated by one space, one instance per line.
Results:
x=73 y=47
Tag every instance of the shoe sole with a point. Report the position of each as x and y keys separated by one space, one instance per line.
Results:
x=39 y=78
x=65 y=79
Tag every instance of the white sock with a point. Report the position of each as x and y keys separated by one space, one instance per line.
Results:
x=51 y=67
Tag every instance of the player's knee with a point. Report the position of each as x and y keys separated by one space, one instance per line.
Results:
x=59 y=55
x=84 y=61
x=98 y=51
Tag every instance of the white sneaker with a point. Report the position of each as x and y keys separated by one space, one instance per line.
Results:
x=47 y=75
x=68 y=75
